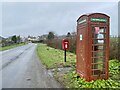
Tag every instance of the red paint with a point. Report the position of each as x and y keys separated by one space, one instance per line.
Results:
x=97 y=30
x=65 y=44
x=90 y=52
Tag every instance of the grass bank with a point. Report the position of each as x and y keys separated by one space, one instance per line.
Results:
x=11 y=46
x=54 y=58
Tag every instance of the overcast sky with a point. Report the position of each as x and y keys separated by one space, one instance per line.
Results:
x=37 y=18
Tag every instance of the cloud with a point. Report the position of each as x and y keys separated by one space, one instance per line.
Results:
x=32 y=18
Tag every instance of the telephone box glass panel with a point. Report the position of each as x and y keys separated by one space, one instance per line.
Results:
x=98 y=50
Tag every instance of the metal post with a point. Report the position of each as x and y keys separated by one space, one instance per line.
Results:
x=65 y=55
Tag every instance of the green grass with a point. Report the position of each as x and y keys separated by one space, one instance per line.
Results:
x=70 y=79
x=11 y=46
x=54 y=58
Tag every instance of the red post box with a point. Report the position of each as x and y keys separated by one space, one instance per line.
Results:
x=65 y=44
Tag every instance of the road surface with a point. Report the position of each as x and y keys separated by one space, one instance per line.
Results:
x=21 y=68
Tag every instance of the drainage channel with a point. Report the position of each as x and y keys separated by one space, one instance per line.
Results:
x=64 y=70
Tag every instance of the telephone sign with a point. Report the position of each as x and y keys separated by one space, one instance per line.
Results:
x=65 y=44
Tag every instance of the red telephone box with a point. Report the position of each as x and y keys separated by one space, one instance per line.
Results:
x=65 y=44
x=92 y=47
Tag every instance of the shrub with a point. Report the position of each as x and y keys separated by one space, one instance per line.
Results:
x=113 y=49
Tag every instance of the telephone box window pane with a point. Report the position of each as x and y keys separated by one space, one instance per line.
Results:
x=97 y=41
x=101 y=41
x=100 y=66
x=98 y=72
x=100 y=36
x=101 y=47
x=98 y=60
x=102 y=30
x=98 y=32
x=98 y=63
x=98 y=54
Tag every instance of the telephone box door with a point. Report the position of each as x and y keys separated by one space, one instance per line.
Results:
x=99 y=55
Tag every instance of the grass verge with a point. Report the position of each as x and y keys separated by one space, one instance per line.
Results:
x=11 y=46
x=71 y=80
x=54 y=58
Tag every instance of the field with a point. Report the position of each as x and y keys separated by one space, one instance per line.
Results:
x=11 y=46
x=54 y=58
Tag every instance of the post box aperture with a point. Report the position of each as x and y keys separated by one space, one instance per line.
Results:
x=92 y=46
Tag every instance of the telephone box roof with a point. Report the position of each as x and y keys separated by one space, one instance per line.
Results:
x=89 y=14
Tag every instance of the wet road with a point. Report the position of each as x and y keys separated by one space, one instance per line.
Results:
x=21 y=68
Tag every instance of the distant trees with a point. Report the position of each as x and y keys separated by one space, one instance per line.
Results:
x=56 y=41
x=50 y=36
x=14 y=39
x=68 y=34
x=11 y=40
x=18 y=39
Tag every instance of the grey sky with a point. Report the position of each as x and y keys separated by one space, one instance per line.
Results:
x=119 y=18
x=37 y=18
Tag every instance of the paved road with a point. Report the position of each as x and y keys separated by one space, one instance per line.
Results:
x=21 y=68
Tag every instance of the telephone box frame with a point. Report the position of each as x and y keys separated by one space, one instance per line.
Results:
x=84 y=42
